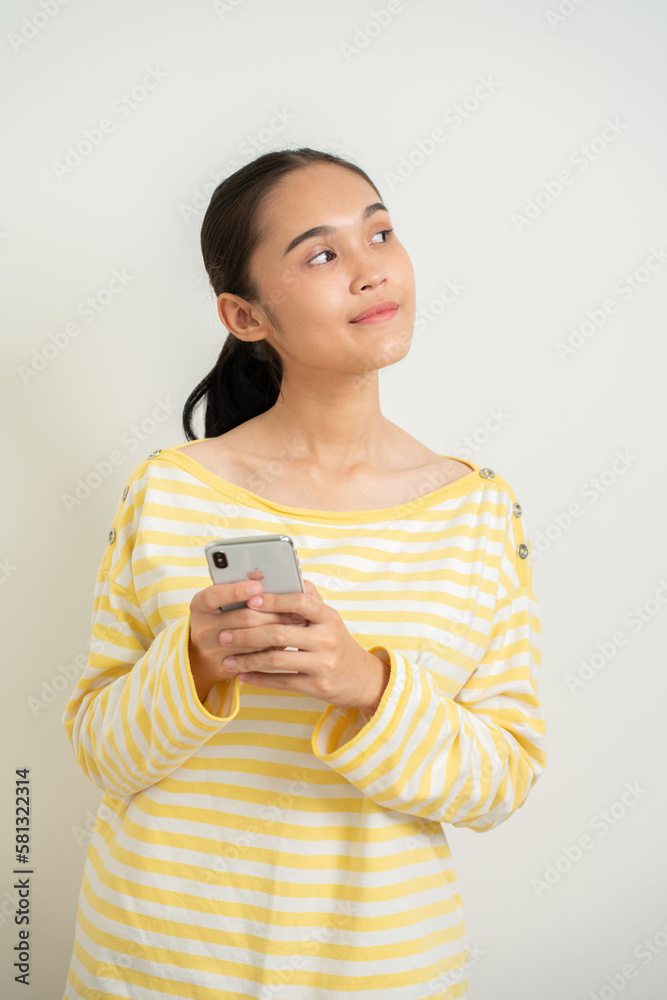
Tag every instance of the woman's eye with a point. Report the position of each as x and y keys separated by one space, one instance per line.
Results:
x=319 y=255
x=381 y=233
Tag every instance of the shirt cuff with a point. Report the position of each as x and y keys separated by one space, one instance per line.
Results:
x=338 y=738
x=222 y=701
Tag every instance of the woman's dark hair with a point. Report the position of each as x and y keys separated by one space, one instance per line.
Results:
x=247 y=376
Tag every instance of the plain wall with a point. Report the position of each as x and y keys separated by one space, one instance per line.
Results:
x=547 y=365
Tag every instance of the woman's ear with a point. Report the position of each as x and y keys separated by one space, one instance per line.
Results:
x=238 y=316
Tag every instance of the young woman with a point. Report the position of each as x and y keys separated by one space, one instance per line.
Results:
x=283 y=836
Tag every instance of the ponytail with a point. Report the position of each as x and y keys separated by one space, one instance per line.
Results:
x=247 y=376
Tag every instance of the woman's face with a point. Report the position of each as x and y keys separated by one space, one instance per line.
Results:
x=311 y=292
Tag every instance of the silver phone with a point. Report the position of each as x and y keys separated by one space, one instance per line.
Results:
x=271 y=559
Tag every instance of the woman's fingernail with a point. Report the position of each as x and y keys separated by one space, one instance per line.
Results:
x=226 y=636
x=229 y=663
x=255 y=602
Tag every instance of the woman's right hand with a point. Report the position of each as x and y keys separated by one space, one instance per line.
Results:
x=205 y=649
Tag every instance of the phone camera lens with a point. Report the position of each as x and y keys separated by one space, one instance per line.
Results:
x=220 y=560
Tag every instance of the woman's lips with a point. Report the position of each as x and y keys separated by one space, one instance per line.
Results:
x=378 y=317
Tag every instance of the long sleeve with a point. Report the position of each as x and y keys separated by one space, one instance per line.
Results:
x=468 y=760
x=135 y=716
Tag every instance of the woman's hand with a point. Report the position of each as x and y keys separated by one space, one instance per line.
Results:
x=331 y=664
x=207 y=621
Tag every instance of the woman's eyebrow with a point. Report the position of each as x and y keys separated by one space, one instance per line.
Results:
x=377 y=206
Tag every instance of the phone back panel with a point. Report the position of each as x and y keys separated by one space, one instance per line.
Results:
x=271 y=559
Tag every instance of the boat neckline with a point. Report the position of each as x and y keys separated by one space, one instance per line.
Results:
x=247 y=497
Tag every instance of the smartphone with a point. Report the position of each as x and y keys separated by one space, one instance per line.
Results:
x=271 y=559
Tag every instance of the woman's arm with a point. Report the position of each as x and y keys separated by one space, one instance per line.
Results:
x=136 y=715
x=468 y=757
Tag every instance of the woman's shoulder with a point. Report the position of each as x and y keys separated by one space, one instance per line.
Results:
x=222 y=455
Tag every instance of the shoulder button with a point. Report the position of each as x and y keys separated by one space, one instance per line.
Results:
x=487 y=473
x=516 y=509
x=523 y=551
x=126 y=491
x=112 y=535
x=154 y=453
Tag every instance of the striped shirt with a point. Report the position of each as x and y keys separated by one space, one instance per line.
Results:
x=267 y=845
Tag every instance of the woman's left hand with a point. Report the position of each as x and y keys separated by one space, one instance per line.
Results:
x=331 y=665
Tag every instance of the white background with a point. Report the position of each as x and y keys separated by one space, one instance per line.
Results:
x=134 y=205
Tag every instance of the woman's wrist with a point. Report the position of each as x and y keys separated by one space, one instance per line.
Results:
x=203 y=682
